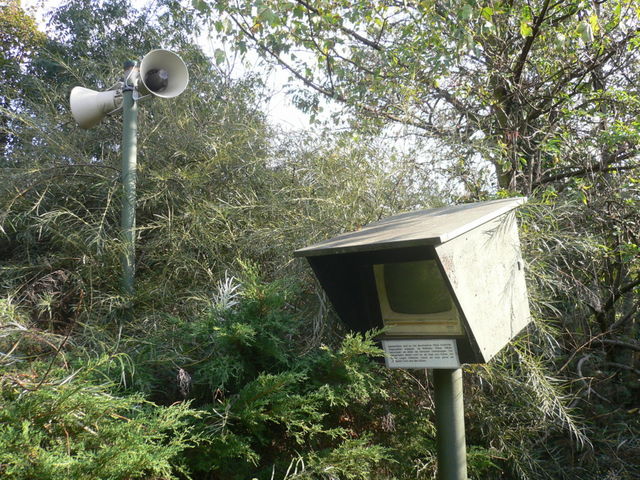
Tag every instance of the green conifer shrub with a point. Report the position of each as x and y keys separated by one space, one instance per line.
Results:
x=62 y=419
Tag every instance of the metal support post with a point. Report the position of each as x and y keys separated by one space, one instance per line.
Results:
x=129 y=153
x=452 y=455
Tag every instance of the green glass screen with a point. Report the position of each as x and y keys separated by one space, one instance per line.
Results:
x=416 y=288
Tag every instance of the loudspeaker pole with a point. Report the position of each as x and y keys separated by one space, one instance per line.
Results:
x=163 y=74
x=129 y=162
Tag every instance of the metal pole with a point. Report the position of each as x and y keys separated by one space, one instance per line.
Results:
x=129 y=153
x=452 y=455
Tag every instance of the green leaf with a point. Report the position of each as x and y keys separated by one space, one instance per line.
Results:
x=487 y=13
x=466 y=12
x=586 y=32
x=219 y=56
x=201 y=6
x=269 y=17
x=298 y=11
x=594 y=23
x=525 y=29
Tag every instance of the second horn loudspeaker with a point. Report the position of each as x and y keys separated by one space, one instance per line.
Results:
x=163 y=74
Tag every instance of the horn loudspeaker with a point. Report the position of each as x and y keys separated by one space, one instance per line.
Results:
x=163 y=74
x=89 y=107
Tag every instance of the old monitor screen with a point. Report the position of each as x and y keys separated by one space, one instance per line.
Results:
x=415 y=300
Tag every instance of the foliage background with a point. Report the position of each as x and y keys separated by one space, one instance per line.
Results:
x=231 y=363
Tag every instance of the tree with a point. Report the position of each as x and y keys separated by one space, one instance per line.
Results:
x=19 y=40
x=506 y=80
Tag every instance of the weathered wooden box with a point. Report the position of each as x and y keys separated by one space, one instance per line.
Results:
x=448 y=280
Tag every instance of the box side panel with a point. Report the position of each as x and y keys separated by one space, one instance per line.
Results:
x=486 y=271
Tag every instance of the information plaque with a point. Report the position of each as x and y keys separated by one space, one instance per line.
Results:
x=431 y=353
